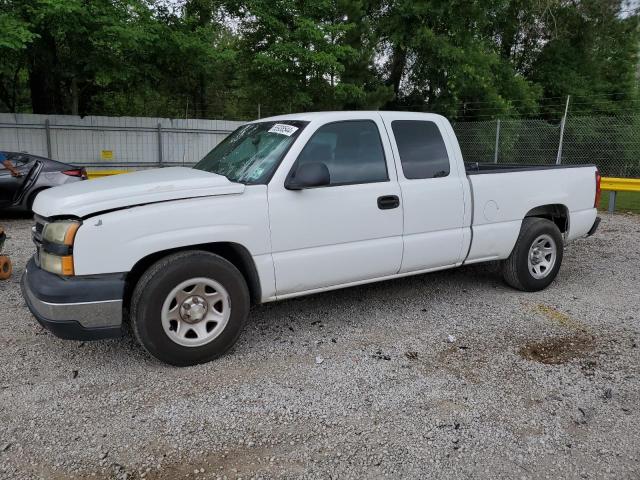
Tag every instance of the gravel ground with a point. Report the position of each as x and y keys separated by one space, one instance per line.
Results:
x=447 y=375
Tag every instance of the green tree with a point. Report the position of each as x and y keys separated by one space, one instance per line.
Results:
x=14 y=40
x=441 y=56
x=476 y=59
x=590 y=51
x=298 y=55
x=69 y=50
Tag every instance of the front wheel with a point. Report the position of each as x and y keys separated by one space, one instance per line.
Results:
x=189 y=307
x=536 y=257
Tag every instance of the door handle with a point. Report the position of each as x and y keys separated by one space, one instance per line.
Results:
x=388 y=202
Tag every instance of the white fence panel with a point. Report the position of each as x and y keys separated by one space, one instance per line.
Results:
x=120 y=142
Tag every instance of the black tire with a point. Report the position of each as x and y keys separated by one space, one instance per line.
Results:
x=160 y=279
x=515 y=269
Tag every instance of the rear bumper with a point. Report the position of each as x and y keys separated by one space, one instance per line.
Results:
x=594 y=227
x=75 y=308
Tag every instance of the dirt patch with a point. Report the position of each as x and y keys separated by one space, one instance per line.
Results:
x=560 y=318
x=556 y=351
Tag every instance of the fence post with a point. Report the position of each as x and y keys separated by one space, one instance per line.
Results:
x=47 y=133
x=159 y=144
x=259 y=117
x=495 y=156
x=612 y=201
x=562 y=124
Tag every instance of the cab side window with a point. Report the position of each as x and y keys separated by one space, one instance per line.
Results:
x=351 y=150
x=423 y=153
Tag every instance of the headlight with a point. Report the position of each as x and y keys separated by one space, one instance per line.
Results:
x=56 y=254
x=62 y=232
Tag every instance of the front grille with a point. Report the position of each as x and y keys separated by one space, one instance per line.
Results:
x=36 y=235
x=37 y=230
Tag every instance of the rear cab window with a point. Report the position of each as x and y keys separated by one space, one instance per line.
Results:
x=422 y=150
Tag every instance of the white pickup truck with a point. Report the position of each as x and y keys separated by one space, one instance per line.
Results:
x=290 y=206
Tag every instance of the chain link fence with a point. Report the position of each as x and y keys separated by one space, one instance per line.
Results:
x=612 y=143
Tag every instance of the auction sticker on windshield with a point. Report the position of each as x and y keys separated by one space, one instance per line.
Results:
x=283 y=129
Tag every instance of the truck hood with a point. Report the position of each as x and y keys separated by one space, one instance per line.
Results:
x=118 y=191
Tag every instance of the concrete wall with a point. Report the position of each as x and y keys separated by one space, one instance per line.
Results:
x=112 y=142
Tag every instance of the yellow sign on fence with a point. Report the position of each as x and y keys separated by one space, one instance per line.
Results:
x=106 y=154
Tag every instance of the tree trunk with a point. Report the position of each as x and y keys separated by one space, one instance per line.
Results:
x=43 y=78
x=202 y=94
x=7 y=98
x=75 y=97
x=396 y=68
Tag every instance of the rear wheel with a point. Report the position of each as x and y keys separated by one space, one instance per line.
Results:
x=189 y=307
x=536 y=257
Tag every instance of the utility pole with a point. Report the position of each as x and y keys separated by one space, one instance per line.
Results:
x=159 y=144
x=495 y=155
x=47 y=131
x=563 y=122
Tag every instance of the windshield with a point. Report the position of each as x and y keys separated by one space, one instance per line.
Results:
x=252 y=152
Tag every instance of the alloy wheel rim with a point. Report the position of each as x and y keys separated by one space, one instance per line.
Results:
x=542 y=256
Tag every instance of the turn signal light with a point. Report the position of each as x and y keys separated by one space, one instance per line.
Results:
x=67 y=265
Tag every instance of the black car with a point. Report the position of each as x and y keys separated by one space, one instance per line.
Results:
x=17 y=193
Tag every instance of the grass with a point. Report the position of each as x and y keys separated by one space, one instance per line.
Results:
x=625 y=201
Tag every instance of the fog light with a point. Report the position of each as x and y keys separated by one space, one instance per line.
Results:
x=55 y=264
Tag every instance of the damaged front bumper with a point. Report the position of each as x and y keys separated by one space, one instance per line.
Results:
x=75 y=308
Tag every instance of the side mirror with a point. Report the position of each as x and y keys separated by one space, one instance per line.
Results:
x=308 y=175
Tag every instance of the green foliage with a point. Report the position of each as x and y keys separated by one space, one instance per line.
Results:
x=296 y=51
x=591 y=53
x=480 y=59
x=625 y=202
x=15 y=34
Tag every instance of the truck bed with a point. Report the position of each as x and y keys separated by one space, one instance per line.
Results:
x=500 y=202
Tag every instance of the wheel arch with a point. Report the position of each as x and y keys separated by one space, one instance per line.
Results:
x=235 y=253
x=556 y=212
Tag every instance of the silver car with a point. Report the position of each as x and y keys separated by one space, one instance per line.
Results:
x=17 y=193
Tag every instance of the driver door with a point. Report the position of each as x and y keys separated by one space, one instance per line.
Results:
x=347 y=231
x=11 y=186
